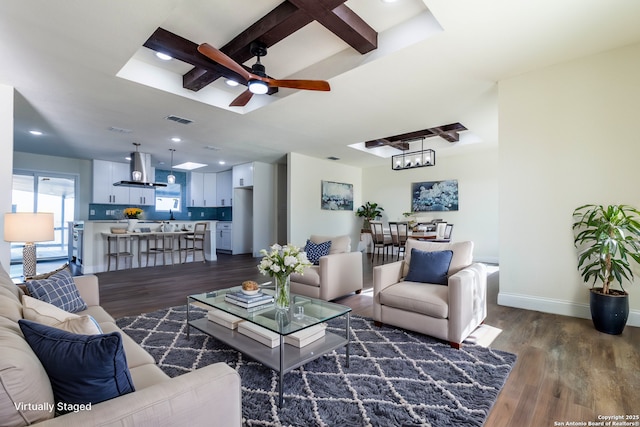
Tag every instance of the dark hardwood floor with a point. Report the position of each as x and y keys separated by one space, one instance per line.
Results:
x=566 y=370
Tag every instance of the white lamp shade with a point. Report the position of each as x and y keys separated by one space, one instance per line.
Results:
x=28 y=227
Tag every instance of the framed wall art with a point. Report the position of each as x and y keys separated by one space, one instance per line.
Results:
x=434 y=196
x=337 y=196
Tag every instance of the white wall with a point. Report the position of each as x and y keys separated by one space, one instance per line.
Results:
x=264 y=194
x=477 y=217
x=568 y=136
x=79 y=167
x=6 y=165
x=304 y=188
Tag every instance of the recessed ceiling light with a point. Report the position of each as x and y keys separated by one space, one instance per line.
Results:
x=176 y=139
x=232 y=83
x=389 y=1
x=35 y=132
x=163 y=56
x=128 y=159
x=222 y=162
x=189 y=166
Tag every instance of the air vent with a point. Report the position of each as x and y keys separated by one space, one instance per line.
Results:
x=119 y=130
x=333 y=158
x=179 y=120
x=211 y=147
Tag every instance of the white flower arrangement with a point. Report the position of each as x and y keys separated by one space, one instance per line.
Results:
x=283 y=260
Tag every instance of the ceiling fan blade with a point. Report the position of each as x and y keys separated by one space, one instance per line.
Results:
x=299 y=84
x=242 y=99
x=221 y=58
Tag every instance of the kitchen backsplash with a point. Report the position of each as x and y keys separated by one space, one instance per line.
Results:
x=99 y=211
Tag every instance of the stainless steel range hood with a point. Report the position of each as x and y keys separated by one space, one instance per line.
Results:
x=141 y=164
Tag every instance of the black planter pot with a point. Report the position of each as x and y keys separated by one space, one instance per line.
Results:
x=609 y=312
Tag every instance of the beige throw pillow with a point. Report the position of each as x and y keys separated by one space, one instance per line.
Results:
x=50 y=315
x=339 y=244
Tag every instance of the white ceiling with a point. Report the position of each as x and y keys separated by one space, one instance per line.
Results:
x=63 y=57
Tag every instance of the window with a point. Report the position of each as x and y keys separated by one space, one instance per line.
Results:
x=168 y=198
x=45 y=192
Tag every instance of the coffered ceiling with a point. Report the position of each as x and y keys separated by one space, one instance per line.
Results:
x=84 y=78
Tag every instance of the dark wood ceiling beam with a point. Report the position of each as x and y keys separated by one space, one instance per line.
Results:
x=284 y=20
x=450 y=136
x=400 y=145
x=198 y=78
x=424 y=133
x=376 y=143
x=187 y=51
x=182 y=49
x=343 y=22
x=448 y=132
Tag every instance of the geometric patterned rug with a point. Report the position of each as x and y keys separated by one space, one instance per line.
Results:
x=395 y=378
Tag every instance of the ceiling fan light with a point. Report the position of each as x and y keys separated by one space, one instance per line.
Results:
x=258 y=87
x=171 y=179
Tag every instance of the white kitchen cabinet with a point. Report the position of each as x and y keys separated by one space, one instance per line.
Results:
x=224 y=236
x=224 y=188
x=145 y=196
x=209 y=190
x=104 y=175
x=202 y=190
x=243 y=175
x=142 y=196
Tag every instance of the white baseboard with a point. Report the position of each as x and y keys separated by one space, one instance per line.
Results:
x=548 y=305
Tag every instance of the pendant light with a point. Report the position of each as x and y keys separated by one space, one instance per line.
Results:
x=136 y=175
x=415 y=159
x=171 y=178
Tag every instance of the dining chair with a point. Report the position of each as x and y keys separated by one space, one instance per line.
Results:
x=399 y=236
x=380 y=240
x=194 y=242
x=448 y=230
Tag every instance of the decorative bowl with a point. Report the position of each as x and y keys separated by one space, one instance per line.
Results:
x=116 y=230
x=253 y=292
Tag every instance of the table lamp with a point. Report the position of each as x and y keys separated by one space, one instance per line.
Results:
x=29 y=228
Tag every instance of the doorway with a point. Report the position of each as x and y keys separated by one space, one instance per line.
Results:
x=45 y=192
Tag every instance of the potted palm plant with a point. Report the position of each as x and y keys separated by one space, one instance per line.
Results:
x=369 y=211
x=608 y=239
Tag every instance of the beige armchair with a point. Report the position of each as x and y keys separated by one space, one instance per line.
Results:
x=337 y=274
x=447 y=312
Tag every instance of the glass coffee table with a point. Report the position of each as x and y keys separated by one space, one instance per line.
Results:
x=283 y=358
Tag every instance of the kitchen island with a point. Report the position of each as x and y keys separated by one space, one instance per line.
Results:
x=94 y=248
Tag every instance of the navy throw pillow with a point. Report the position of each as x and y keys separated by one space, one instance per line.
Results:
x=316 y=250
x=59 y=290
x=429 y=267
x=81 y=368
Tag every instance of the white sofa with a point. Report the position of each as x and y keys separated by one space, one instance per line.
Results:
x=336 y=275
x=209 y=396
x=448 y=312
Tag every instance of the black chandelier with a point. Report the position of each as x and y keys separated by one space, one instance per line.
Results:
x=414 y=159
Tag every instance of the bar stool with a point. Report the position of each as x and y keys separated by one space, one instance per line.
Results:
x=114 y=250
x=146 y=247
x=165 y=245
x=195 y=242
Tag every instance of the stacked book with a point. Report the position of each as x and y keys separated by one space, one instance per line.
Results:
x=259 y=300
x=222 y=318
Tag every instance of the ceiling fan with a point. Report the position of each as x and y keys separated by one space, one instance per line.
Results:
x=257 y=79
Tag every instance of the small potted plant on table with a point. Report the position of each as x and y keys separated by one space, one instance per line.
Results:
x=369 y=211
x=608 y=238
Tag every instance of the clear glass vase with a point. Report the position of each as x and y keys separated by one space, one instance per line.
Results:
x=282 y=295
